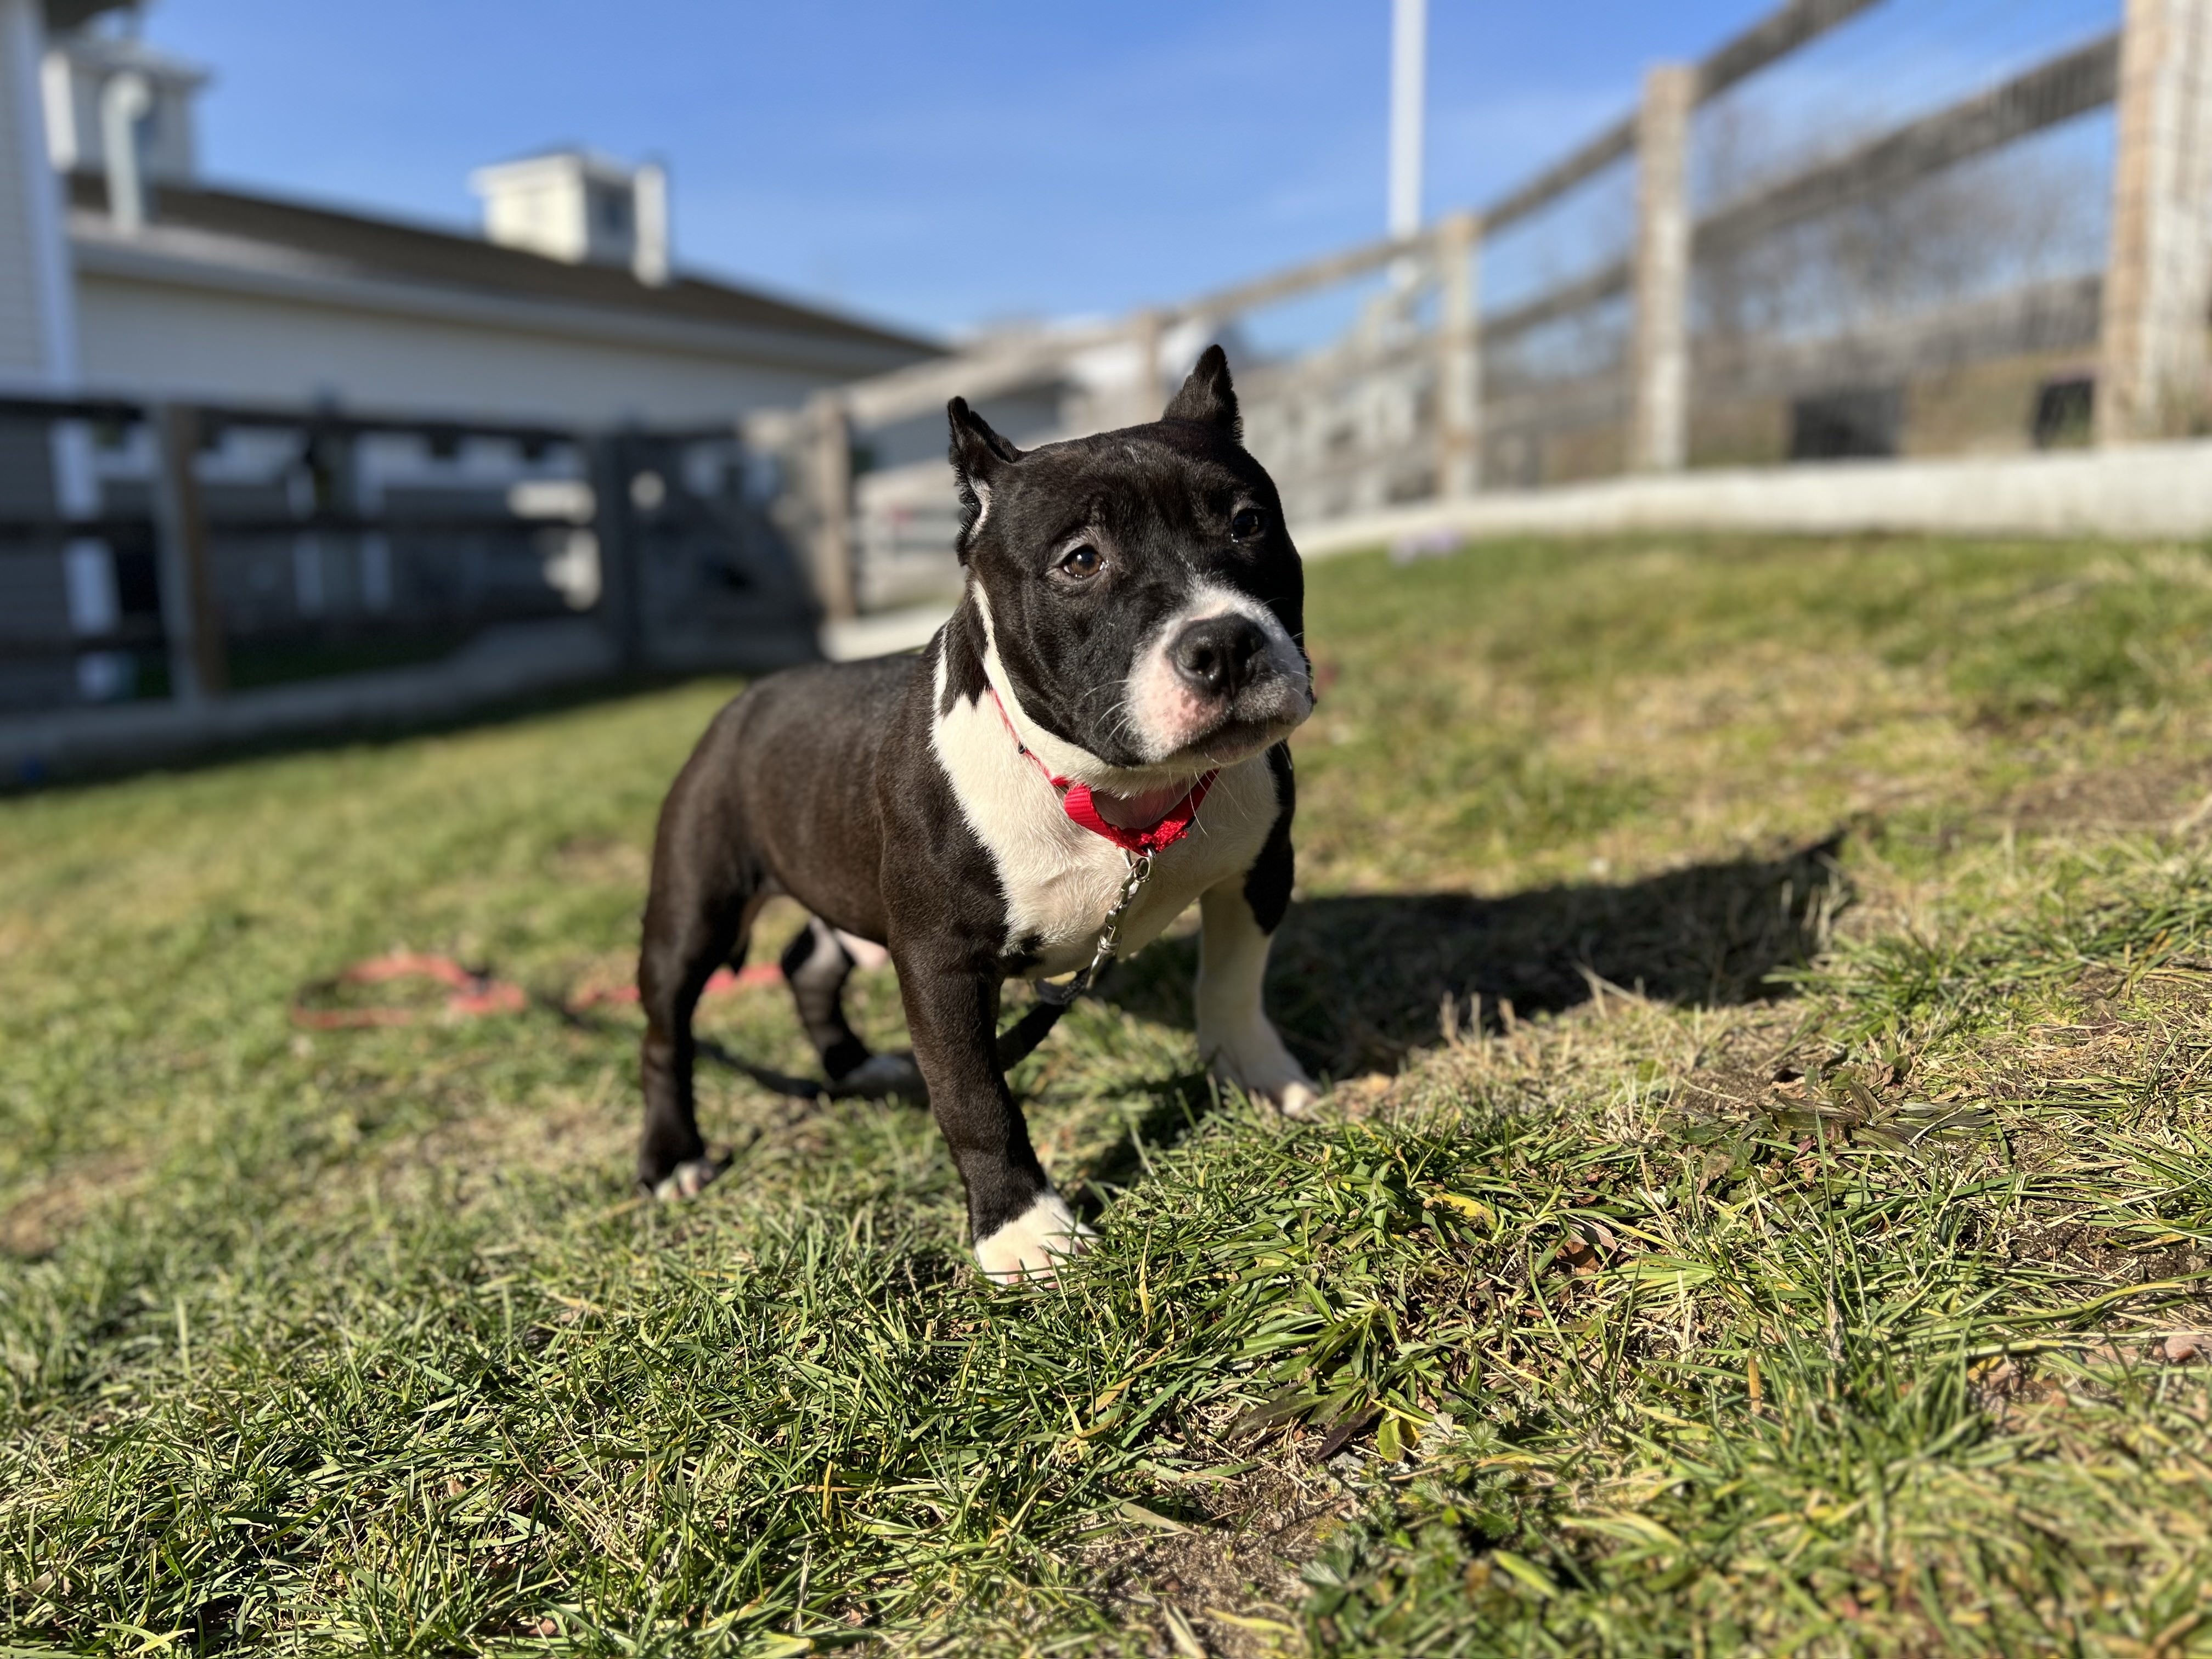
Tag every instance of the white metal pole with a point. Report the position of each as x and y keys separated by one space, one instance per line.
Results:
x=1409 y=20
x=124 y=103
x=649 y=224
x=38 y=344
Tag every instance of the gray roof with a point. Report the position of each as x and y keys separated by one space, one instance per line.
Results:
x=371 y=247
x=62 y=16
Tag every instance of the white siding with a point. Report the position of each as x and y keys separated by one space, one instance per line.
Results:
x=156 y=339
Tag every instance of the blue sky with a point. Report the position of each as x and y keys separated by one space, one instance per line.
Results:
x=941 y=165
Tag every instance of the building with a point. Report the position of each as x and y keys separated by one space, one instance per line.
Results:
x=566 y=310
x=126 y=275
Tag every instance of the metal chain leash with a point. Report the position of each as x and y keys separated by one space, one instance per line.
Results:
x=1059 y=995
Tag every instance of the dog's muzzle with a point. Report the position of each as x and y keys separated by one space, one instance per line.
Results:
x=1219 y=656
x=1226 y=665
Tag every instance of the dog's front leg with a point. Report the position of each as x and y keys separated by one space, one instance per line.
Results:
x=1235 y=1038
x=1021 y=1227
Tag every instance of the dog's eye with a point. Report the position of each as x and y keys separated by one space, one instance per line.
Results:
x=1083 y=562
x=1247 y=522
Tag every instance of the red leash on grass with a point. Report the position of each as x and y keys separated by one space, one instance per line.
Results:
x=724 y=981
x=473 y=994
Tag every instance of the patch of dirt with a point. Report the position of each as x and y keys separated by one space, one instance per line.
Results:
x=603 y=860
x=1227 y=1571
x=1740 y=1068
x=36 y=1223
x=17 y=936
x=2092 y=1254
x=2179 y=992
x=2162 y=797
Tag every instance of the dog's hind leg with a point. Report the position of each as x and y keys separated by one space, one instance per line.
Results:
x=672 y=970
x=706 y=890
x=816 y=965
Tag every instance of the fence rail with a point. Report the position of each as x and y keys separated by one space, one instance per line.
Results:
x=1636 y=361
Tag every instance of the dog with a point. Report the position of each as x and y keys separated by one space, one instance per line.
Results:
x=1107 y=709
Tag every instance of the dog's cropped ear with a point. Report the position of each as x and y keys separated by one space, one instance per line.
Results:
x=977 y=454
x=1207 y=398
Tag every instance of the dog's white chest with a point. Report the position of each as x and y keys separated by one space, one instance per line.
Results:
x=1060 y=880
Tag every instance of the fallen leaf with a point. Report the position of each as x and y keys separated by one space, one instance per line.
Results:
x=1341 y=1432
x=1132 y=1511
x=1180 y=1634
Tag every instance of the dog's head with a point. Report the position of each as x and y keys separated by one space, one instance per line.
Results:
x=1142 y=604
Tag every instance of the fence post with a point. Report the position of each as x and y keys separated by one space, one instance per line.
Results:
x=1459 y=368
x=2157 y=275
x=1659 y=434
x=829 y=438
x=621 y=572
x=199 y=666
x=1145 y=400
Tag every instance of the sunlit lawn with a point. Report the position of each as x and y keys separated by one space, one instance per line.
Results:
x=1766 y=1204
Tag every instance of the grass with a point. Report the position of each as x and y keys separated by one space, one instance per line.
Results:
x=1766 y=1207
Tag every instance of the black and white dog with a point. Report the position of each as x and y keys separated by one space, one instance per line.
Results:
x=1120 y=677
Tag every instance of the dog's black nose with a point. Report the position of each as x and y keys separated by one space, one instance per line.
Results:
x=1218 y=656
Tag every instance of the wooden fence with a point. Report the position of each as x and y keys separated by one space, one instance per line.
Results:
x=174 y=576
x=1430 y=396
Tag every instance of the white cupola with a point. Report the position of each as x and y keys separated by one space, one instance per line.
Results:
x=581 y=207
x=98 y=85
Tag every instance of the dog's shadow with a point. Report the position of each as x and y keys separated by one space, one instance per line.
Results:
x=1355 y=984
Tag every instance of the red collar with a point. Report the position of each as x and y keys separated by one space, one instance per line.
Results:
x=1076 y=801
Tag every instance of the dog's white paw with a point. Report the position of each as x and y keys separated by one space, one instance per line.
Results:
x=1028 y=1246
x=687 y=1179
x=1254 y=1060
